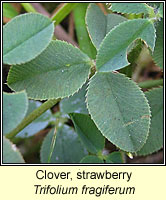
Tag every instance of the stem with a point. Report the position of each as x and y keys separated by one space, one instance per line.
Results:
x=103 y=7
x=150 y=83
x=32 y=116
x=93 y=70
x=28 y=7
x=63 y=12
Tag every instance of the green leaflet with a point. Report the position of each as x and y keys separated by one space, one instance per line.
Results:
x=115 y=157
x=155 y=139
x=75 y=103
x=15 y=106
x=67 y=147
x=11 y=153
x=9 y=11
x=119 y=109
x=88 y=132
x=59 y=71
x=38 y=124
x=99 y=25
x=25 y=37
x=131 y=8
x=159 y=46
x=113 y=49
x=91 y=159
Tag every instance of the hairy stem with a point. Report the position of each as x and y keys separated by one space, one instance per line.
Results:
x=28 y=7
x=150 y=83
x=32 y=116
x=63 y=12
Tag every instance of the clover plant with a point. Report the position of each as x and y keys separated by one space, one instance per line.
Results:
x=94 y=84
